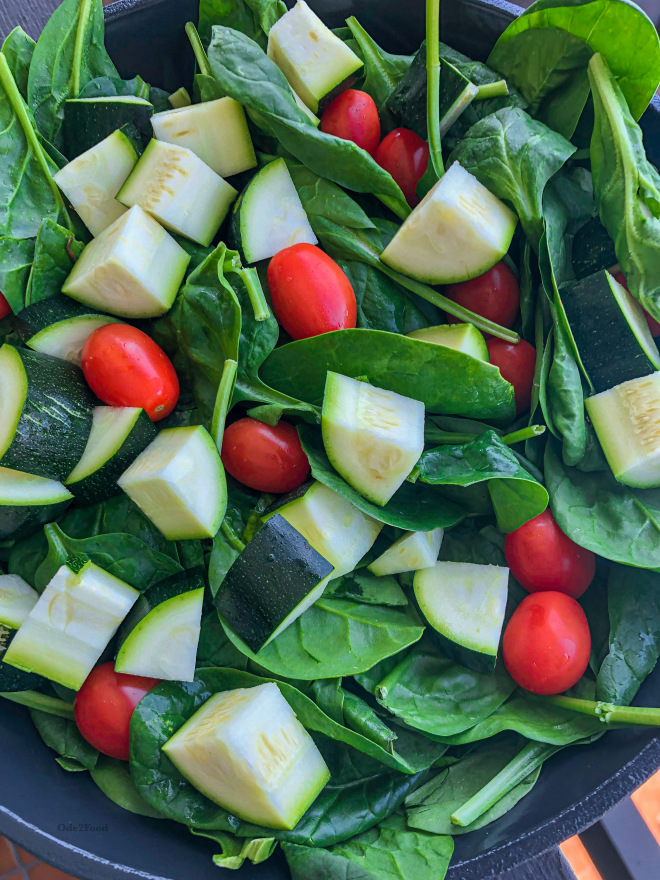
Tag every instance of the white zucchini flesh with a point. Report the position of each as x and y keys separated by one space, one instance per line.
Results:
x=373 y=437
x=93 y=179
x=27 y=490
x=164 y=643
x=461 y=337
x=310 y=56
x=133 y=269
x=411 y=552
x=173 y=185
x=246 y=751
x=458 y=231
x=14 y=385
x=216 y=132
x=72 y=623
x=179 y=483
x=17 y=599
x=66 y=339
x=111 y=425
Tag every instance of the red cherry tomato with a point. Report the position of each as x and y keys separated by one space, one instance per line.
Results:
x=517 y=362
x=494 y=295
x=124 y=367
x=353 y=116
x=5 y=308
x=263 y=457
x=406 y=156
x=547 y=643
x=541 y=557
x=310 y=292
x=104 y=706
x=654 y=326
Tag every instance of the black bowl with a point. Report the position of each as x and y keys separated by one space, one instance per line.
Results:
x=62 y=817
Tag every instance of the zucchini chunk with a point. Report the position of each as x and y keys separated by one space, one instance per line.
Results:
x=180 y=98
x=340 y=532
x=462 y=337
x=93 y=179
x=133 y=269
x=119 y=434
x=13 y=680
x=45 y=413
x=70 y=626
x=179 y=483
x=173 y=185
x=269 y=215
x=17 y=599
x=274 y=580
x=311 y=57
x=599 y=308
x=626 y=419
x=87 y=121
x=458 y=231
x=465 y=605
x=411 y=552
x=593 y=250
x=216 y=132
x=28 y=501
x=246 y=751
x=164 y=643
x=373 y=437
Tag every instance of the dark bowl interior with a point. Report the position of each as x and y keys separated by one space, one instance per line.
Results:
x=62 y=817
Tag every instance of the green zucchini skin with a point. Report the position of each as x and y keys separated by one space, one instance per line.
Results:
x=593 y=249
x=52 y=431
x=19 y=521
x=272 y=576
x=87 y=121
x=55 y=309
x=13 y=680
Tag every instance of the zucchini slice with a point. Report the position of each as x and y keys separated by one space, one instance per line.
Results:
x=164 y=643
x=311 y=57
x=13 y=680
x=340 y=532
x=45 y=413
x=93 y=179
x=72 y=623
x=626 y=419
x=269 y=215
x=173 y=185
x=246 y=751
x=458 y=231
x=462 y=337
x=465 y=605
x=274 y=580
x=28 y=501
x=133 y=269
x=216 y=132
x=598 y=308
x=593 y=250
x=411 y=552
x=119 y=434
x=179 y=483
x=180 y=98
x=17 y=599
x=87 y=121
x=373 y=437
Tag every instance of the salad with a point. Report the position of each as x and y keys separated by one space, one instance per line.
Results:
x=329 y=421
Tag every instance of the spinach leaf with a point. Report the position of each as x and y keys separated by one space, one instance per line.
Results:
x=468 y=543
x=431 y=373
x=382 y=304
x=214 y=648
x=382 y=70
x=114 y=779
x=113 y=87
x=52 y=261
x=62 y=735
x=16 y=255
x=369 y=589
x=230 y=540
x=336 y=637
x=69 y=53
x=254 y=18
x=234 y=851
x=18 y=49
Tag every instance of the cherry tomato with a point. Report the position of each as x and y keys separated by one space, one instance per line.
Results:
x=547 y=643
x=124 y=367
x=263 y=457
x=104 y=706
x=353 y=116
x=406 y=156
x=310 y=292
x=517 y=361
x=5 y=308
x=494 y=295
x=541 y=557
x=654 y=326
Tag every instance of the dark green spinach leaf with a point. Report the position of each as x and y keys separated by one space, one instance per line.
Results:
x=18 y=49
x=114 y=779
x=62 y=735
x=382 y=70
x=53 y=261
x=16 y=255
x=254 y=18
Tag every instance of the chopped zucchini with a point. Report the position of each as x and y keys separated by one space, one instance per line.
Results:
x=274 y=580
x=173 y=185
x=462 y=337
x=180 y=98
x=465 y=605
x=311 y=57
x=373 y=437
x=411 y=552
x=626 y=419
x=593 y=250
x=246 y=751
x=133 y=269
x=87 y=121
x=12 y=679
x=269 y=215
x=70 y=626
x=458 y=231
x=216 y=131
x=28 y=501
x=179 y=483
x=17 y=599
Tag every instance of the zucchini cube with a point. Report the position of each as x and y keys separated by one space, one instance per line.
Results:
x=17 y=599
x=246 y=751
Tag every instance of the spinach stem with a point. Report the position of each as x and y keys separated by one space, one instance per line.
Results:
x=250 y=279
x=42 y=702
x=498 y=89
x=394 y=206
x=608 y=713
x=433 y=85
x=523 y=434
x=84 y=11
x=232 y=538
x=433 y=434
x=223 y=401
x=198 y=49
x=526 y=761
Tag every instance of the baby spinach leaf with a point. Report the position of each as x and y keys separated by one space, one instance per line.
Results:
x=113 y=86
x=382 y=304
x=382 y=70
x=62 y=735
x=369 y=589
x=52 y=263
x=16 y=255
x=114 y=779
x=468 y=543
x=234 y=852
x=431 y=373
x=229 y=542
x=214 y=648
x=18 y=49
x=254 y=18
